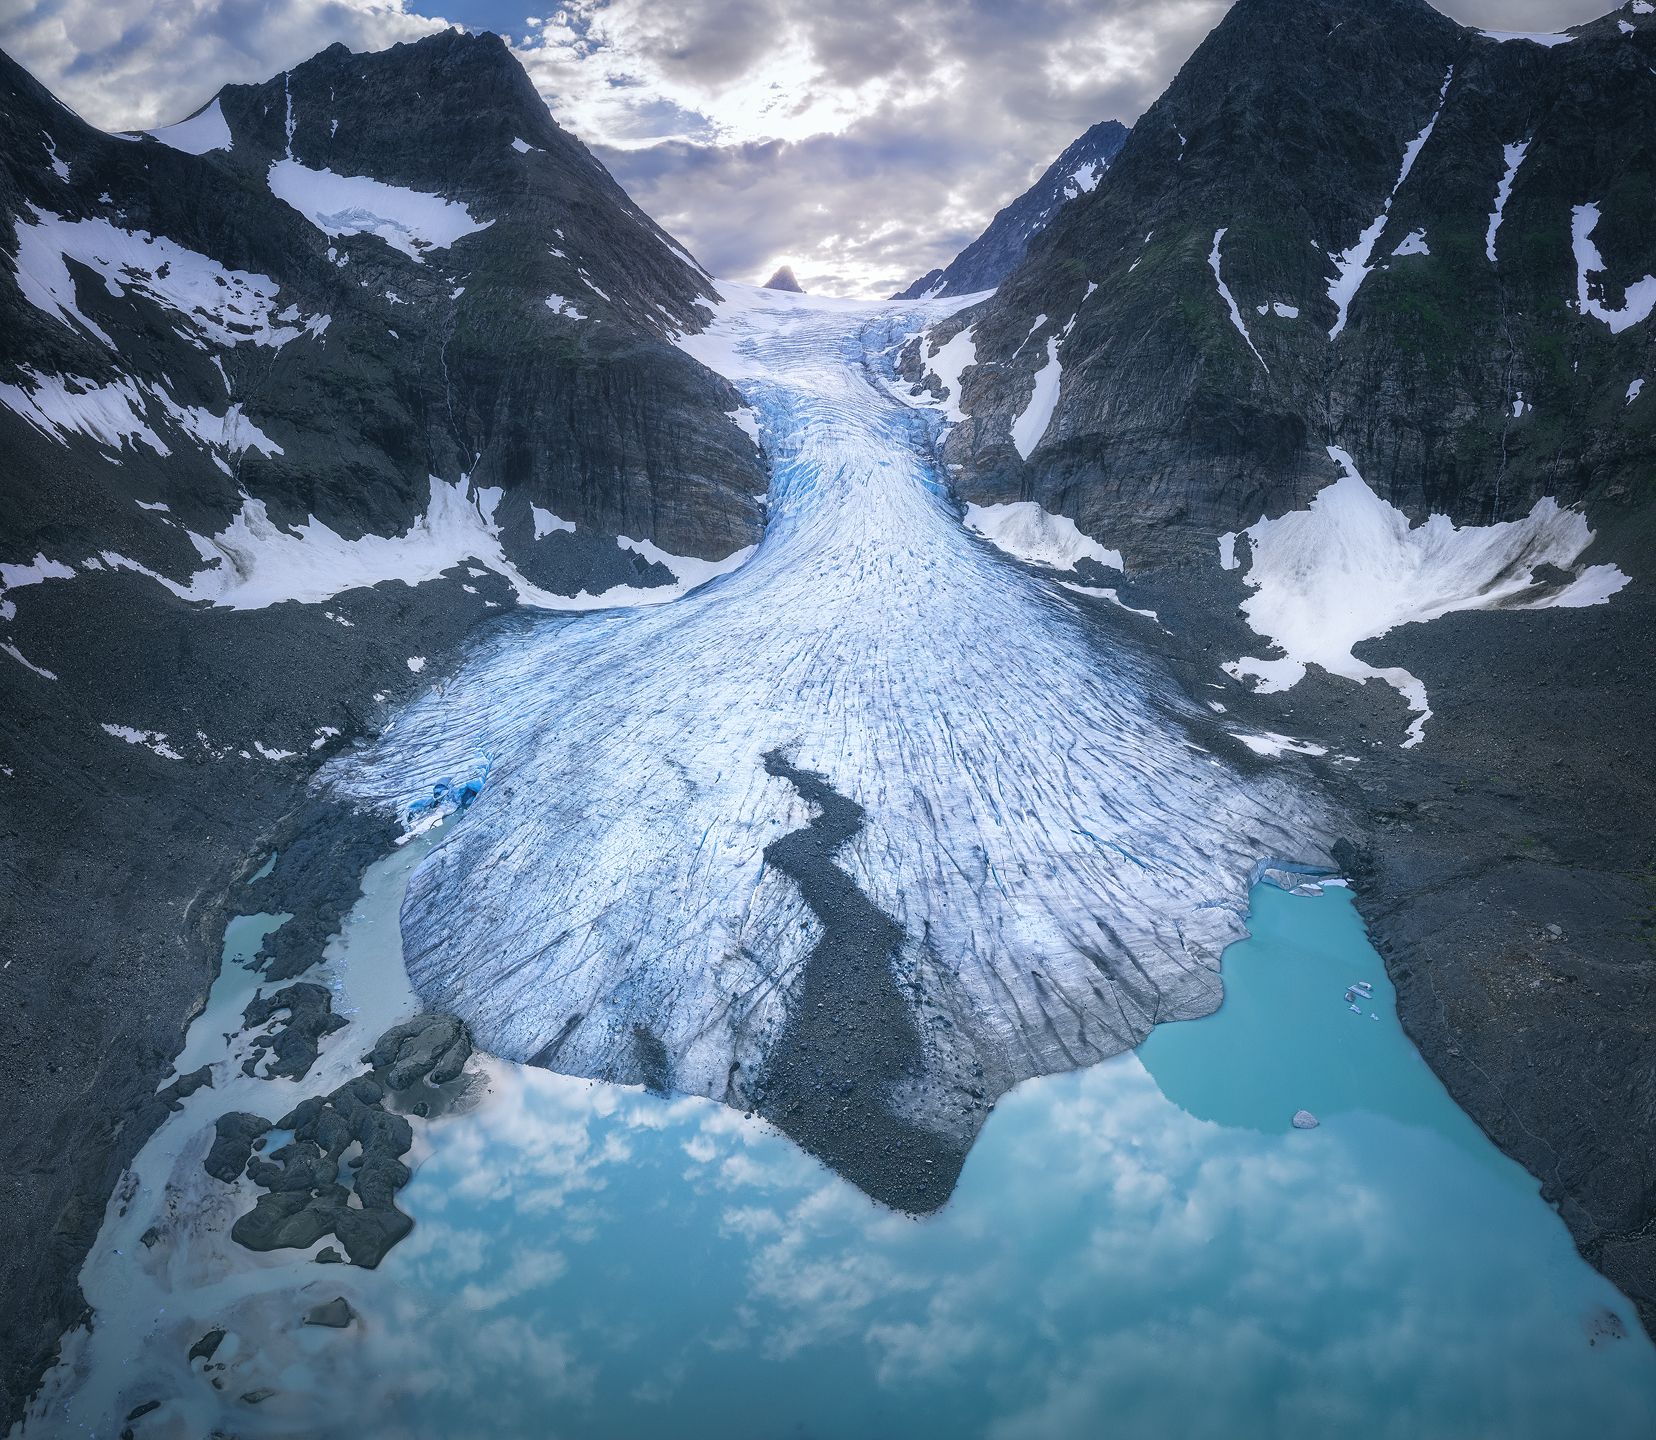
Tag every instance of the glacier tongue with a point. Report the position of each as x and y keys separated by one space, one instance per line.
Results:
x=1063 y=861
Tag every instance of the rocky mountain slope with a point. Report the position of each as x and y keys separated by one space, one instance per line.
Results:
x=1357 y=268
x=984 y=263
x=294 y=396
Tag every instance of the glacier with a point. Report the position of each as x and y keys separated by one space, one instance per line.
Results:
x=1017 y=810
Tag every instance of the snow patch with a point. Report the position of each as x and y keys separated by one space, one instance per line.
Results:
x=1025 y=531
x=1353 y=266
x=1350 y=567
x=1228 y=298
x=1031 y=422
x=407 y=220
x=546 y=523
x=947 y=364
x=27 y=663
x=560 y=306
x=1414 y=243
x=1633 y=390
x=206 y=130
x=416 y=663
x=1534 y=37
x=1514 y=156
x=155 y=740
x=1274 y=746
x=208 y=302
x=1640 y=298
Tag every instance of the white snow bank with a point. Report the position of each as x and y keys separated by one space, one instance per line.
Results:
x=209 y=302
x=947 y=364
x=1514 y=157
x=1228 y=298
x=155 y=740
x=1352 y=266
x=117 y=414
x=1351 y=567
x=407 y=220
x=1098 y=592
x=206 y=130
x=1534 y=37
x=33 y=572
x=1274 y=746
x=1027 y=532
x=546 y=523
x=689 y=570
x=1640 y=298
x=254 y=563
x=1031 y=422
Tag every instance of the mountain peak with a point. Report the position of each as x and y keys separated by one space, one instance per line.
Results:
x=784 y=280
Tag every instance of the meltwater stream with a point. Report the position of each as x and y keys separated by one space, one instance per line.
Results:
x=1062 y=861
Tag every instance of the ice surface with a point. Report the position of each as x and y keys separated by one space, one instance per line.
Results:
x=1351 y=567
x=1352 y=266
x=1065 y=861
x=207 y=301
x=1032 y=421
x=206 y=130
x=407 y=220
x=1514 y=157
x=1027 y=532
x=1228 y=298
x=1640 y=298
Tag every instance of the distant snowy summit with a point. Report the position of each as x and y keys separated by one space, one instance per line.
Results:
x=993 y=256
x=784 y=280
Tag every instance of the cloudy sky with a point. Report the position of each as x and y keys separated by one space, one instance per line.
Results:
x=863 y=142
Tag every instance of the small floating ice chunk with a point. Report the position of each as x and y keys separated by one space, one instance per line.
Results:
x=1305 y=1120
x=1025 y=531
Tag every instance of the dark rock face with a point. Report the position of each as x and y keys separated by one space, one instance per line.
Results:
x=1461 y=384
x=784 y=280
x=990 y=258
x=144 y=282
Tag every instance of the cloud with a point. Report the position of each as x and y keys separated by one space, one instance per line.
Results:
x=861 y=142
x=140 y=63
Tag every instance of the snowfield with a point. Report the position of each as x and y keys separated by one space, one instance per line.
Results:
x=1065 y=862
x=1350 y=567
x=407 y=220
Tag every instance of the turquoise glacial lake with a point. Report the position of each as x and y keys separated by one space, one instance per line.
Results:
x=1147 y=1248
